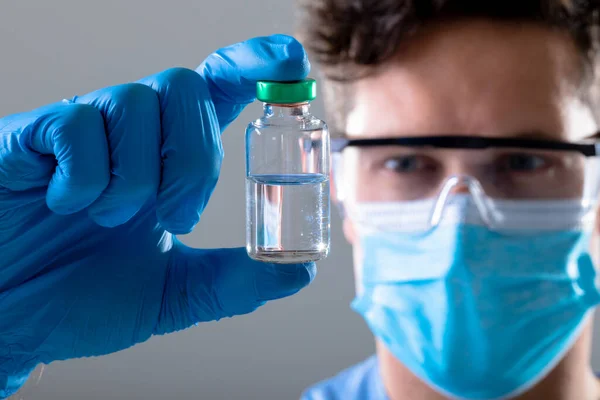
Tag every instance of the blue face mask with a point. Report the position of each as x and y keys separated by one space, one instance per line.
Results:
x=474 y=313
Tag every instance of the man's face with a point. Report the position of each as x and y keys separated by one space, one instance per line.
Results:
x=474 y=78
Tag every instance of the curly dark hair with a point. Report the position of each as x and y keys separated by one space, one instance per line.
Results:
x=350 y=38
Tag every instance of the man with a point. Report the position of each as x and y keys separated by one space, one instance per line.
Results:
x=467 y=195
x=468 y=269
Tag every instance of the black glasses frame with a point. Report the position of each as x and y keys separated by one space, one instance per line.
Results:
x=589 y=148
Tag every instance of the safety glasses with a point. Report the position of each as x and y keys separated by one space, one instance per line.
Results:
x=506 y=183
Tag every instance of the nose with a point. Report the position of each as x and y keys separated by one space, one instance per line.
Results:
x=469 y=166
x=460 y=188
x=462 y=172
x=460 y=184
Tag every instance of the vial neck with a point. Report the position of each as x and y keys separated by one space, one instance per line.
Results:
x=286 y=110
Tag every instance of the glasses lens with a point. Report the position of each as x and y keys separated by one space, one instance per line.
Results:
x=383 y=174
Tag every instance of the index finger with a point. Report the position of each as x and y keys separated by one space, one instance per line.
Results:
x=231 y=73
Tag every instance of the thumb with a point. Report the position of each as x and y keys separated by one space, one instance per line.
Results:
x=207 y=285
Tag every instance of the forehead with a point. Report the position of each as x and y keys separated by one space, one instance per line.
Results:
x=476 y=77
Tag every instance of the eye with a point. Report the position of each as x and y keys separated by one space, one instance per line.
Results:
x=408 y=164
x=522 y=162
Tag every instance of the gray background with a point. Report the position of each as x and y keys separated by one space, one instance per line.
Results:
x=54 y=49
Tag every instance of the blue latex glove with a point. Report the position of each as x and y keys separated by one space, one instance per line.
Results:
x=92 y=191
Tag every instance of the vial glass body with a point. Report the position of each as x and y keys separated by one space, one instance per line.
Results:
x=287 y=186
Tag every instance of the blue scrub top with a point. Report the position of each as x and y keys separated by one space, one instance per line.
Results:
x=360 y=382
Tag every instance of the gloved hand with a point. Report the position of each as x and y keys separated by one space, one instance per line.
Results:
x=92 y=191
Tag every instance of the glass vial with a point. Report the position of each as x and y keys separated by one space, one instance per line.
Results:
x=287 y=177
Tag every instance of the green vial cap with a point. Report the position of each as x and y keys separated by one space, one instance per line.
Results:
x=286 y=92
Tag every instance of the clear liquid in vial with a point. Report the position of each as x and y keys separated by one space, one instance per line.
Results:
x=288 y=217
